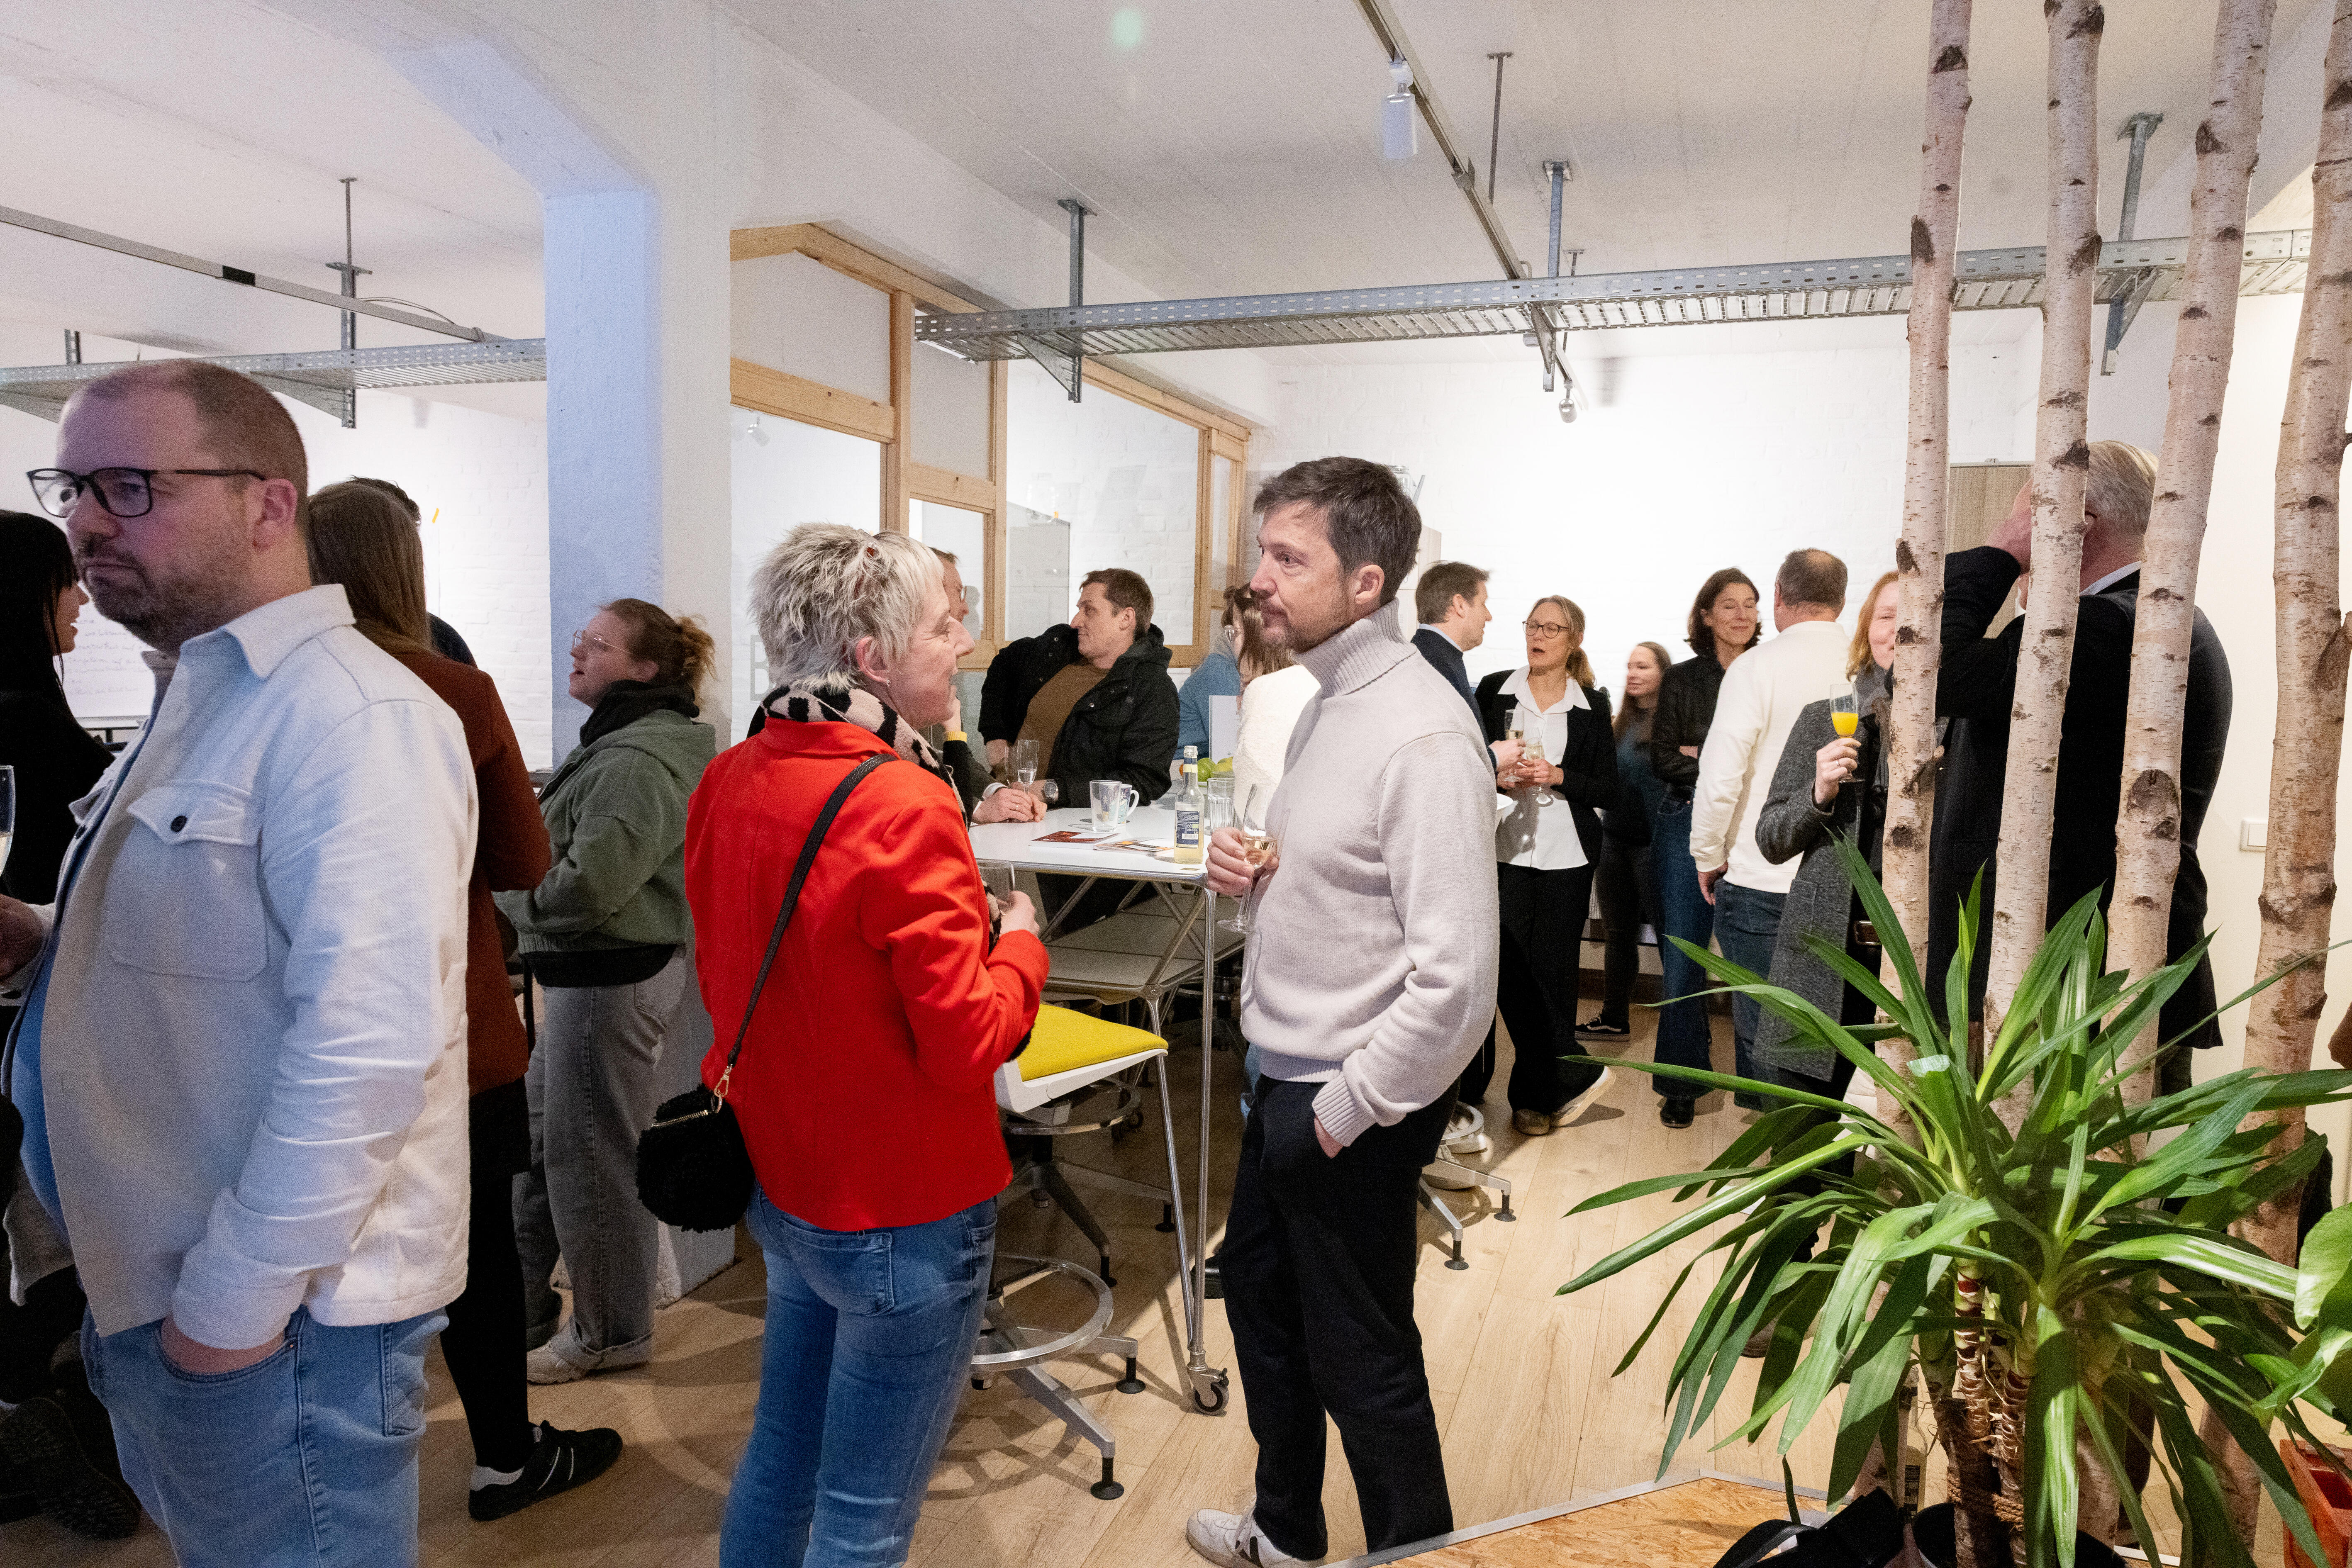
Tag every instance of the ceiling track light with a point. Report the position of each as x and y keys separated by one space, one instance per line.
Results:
x=1400 y=119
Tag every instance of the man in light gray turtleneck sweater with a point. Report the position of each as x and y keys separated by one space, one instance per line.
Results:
x=1368 y=983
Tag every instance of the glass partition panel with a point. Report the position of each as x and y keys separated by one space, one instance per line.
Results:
x=963 y=535
x=785 y=474
x=1122 y=477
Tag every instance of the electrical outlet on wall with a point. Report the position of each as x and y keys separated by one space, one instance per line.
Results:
x=2255 y=834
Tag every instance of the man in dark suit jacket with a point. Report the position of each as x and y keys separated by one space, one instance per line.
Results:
x=1975 y=691
x=1451 y=600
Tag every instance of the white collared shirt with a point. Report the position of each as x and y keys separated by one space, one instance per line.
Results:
x=2110 y=580
x=1542 y=836
x=243 y=1059
x=1441 y=631
x=1762 y=693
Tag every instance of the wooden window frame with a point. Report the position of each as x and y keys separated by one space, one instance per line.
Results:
x=787 y=396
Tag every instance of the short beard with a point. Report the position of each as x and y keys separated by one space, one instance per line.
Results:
x=1301 y=635
x=166 y=614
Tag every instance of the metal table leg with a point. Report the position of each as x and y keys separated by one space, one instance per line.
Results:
x=1210 y=1385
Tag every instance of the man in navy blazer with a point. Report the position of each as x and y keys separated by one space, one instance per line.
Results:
x=1451 y=600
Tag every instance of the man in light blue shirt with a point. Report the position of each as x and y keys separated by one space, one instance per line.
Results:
x=242 y=1058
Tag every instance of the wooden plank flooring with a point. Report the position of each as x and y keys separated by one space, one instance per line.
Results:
x=1521 y=1378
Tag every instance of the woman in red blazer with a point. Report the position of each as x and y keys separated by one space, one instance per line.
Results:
x=864 y=1084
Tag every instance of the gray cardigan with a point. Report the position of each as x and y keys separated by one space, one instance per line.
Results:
x=1821 y=900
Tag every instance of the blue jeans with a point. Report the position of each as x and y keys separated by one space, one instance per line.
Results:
x=1747 y=923
x=1683 y=1037
x=870 y=1335
x=307 y=1457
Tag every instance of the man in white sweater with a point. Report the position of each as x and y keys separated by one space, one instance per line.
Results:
x=1368 y=983
x=1762 y=693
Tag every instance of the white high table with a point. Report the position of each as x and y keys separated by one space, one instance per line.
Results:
x=1016 y=845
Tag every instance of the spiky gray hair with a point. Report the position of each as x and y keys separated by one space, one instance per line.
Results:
x=826 y=587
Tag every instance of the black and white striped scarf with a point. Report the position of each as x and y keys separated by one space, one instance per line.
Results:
x=841 y=701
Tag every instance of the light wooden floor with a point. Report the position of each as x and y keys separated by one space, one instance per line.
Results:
x=1530 y=1415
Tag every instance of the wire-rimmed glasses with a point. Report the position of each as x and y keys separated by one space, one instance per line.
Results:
x=123 y=492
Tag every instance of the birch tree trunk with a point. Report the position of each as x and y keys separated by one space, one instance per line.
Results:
x=2061 y=461
x=1926 y=486
x=2299 y=869
x=2148 y=828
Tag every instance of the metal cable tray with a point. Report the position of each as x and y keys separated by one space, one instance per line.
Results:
x=326 y=379
x=2132 y=271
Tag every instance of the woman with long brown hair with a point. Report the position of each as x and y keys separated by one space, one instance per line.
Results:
x=1626 y=883
x=1725 y=622
x=1545 y=852
x=363 y=539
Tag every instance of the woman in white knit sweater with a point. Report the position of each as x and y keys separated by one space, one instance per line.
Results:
x=1274 y=692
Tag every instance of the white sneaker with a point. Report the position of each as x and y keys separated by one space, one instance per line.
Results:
x=560 y=1359
x=1233 y=1540
x=1593 y=1091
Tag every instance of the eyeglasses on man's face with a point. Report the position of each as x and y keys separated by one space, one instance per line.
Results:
x=1547 y=630
x=592 y=642
x=123 y=492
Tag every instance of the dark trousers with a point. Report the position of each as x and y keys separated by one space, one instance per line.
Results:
x=1318 y=1268
x=1627 y=884
x=483 y=1341
x=1683 y=1037
x=1543 y=939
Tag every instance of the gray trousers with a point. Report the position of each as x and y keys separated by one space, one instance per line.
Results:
x=592 y=1092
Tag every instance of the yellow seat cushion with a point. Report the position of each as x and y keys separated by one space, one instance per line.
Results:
x=1064 y=1041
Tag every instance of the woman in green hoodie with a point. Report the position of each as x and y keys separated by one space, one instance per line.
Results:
x=605 y=937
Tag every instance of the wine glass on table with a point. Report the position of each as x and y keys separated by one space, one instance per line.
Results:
x=1257 y=847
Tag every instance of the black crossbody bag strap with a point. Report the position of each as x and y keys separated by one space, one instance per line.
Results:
x=792 y=897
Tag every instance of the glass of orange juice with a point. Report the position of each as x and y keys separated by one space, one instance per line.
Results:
x=1844 y=716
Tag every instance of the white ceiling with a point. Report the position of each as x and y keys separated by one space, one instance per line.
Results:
x=220 y=128
x=1230 y=146
x=1234 y=146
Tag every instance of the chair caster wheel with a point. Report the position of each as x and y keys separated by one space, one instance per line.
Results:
x=1040 y=1200
x=1131 y=1384
x=1216 y=1402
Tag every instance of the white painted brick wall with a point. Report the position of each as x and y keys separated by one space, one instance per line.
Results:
x=1685 y=463
x=485 y=556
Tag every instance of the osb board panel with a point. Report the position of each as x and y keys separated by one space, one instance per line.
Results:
x=1686 y=1526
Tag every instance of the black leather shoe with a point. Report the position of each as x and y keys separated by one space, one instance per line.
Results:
x=559 y=1461
x=1674 y=1113
x=40 y=1441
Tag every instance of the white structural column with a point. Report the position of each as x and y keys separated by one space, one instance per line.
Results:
x=611 y=110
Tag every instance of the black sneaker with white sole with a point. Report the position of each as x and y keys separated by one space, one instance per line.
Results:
x=559 y=1461
x=1601 y=1029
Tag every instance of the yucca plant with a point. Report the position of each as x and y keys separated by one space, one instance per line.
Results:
x=2060 y=1289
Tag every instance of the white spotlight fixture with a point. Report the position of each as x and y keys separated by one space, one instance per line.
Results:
x=758 y=432
x=1400 y=124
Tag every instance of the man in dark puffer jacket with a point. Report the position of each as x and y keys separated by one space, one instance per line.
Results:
x=1093 y=694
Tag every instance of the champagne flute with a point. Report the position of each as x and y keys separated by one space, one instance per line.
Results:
x=1024 y=762
x=1845 y=717
x=1257 y=848
x=996 y=877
